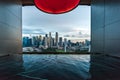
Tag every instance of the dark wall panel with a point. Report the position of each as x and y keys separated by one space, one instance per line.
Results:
x=97 y=23
x=112 y=10
x=109 y=24
x=10 y=27
x=112 y=27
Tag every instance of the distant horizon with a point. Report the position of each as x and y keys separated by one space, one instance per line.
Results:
x=73 y=39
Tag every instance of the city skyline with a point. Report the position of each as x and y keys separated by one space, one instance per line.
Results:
x=74 y=25
x=53 y=35
x=57 y=43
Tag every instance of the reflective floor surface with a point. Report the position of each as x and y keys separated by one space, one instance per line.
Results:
x=59 y=67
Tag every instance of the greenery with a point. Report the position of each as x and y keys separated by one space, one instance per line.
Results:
x=57 y=50
x=49 y=50
x=56 y=53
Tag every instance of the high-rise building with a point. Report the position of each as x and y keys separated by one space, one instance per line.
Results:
x=43 y=41
x=35 y=41
x=40 y=40
x=30 y=42
x=46 y=41
x=46 y=35
x=27 y=42
x=69 y=43
x=65 y=44
x=87 y=42
x=40 y=37
x=50 y=40
x=60 y=42
x=56 y=39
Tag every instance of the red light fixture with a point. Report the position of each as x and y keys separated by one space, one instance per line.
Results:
x=56 y=6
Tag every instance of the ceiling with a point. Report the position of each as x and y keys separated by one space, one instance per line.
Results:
x=31 y=2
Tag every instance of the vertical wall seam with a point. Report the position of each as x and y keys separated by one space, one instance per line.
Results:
x=104 y=30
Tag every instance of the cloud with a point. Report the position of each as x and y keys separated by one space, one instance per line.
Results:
x=78 y=35
x=33 y=31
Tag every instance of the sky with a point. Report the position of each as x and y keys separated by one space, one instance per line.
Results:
x=74 y=25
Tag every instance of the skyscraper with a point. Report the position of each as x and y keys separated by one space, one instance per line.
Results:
x=65 y=44
x=60 y=42
x=56 y=39
x=25 y=41
x=69 y=43
x=33 y=41
x=40 y=40
x=50 y=40
x=46 y=41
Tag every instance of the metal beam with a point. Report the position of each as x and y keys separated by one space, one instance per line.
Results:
x=31 y=2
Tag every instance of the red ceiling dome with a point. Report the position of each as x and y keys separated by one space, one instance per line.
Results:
x=56 y=6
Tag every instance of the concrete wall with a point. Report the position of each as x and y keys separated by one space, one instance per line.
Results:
x=106 y=26
x=10 y=27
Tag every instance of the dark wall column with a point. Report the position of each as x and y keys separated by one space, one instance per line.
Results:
x=10 y=27
x=106 y=27
x=97 y=25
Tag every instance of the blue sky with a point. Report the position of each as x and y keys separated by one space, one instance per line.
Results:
x=73 y=25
